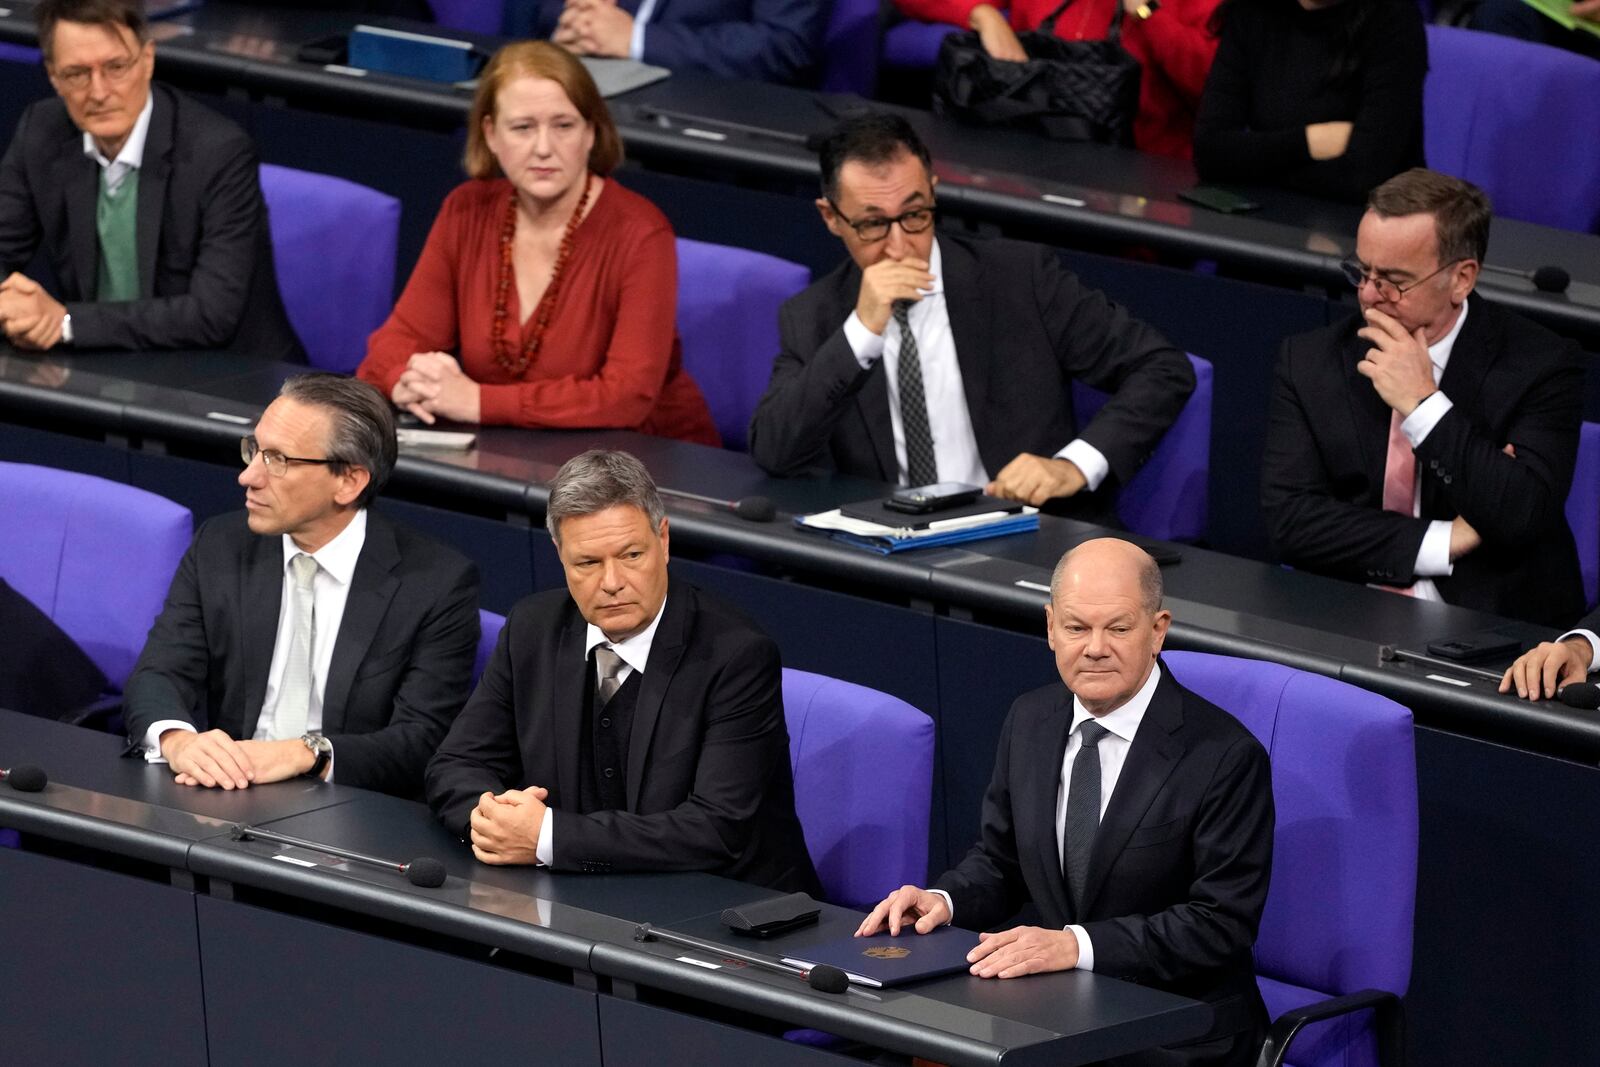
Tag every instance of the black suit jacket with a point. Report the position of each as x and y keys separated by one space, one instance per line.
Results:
x=709 y=786
x=1509 y=381
x=1178 y=875
x=401 y=667
x=206 y=278
x=1024 y=328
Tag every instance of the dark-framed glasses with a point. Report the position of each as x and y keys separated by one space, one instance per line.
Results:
x=114 y=71
x=1357 y=272
x=276 y=462
x=876 y=227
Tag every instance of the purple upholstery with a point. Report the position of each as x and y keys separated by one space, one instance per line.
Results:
x=865 y=817
x=334 y=245
x=850 y=47
x=1583 y=510
x=1167 y=499
x=479 y=16
x=1344 y=868
x=490 y=625
x=1502 y=113
x=913 y=45
x=19 y=53
x=95 y=556
x=728 y=302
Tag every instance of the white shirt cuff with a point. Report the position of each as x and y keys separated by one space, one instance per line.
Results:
x=949 y=905
x=152 y=738
x=66 y=328
x=1086 y=458
x=545 y=850
x=636 y=42
x=867 y=346
x=1433 y=558
x=1085 y=947
x=1424 y=417
x=1594 y=645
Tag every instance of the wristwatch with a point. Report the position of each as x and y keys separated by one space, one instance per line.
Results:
x=322 y=749
x=1148 y=8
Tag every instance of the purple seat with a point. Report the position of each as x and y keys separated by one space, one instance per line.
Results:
x=913 y=45
x=1167 y=499
x=865 y=817
x=479 y=16
x=850 y=47
x=1339 y=913
x=96 y=556
x=490 y=624
x=728 y=302
x=19 y=53
x=1583 y=510
x=1505 y=115
x=334 y=244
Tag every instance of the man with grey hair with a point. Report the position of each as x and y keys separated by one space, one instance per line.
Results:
x=1154 y=866
x=629 y=722
x=307 y=634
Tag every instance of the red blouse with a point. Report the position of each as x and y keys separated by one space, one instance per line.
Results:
x=598 y=367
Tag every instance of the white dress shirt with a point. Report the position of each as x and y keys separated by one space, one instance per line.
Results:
x=634 y=653
x=128 y=160
x=640 y=17
x=330 y=588
x=955 y=447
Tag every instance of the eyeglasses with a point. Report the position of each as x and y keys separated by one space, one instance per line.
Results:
x=114 y=71
x=1356 y=272
x=276 y=462
x=876 y=228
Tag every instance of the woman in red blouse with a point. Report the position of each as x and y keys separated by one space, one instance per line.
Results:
x=557 y=287
x=1169 y=38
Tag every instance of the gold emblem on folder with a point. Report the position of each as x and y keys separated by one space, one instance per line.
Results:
x=887 y=952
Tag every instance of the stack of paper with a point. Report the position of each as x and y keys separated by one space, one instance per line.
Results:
x=883 y=539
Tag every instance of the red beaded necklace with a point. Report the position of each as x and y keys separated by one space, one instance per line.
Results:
x=514 y=362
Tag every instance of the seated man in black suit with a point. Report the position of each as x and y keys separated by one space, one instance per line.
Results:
x=307 y=634
x=931 y=358
x=146 y=205
x=1134 y=815
x=626 y=723
x=1427 y=444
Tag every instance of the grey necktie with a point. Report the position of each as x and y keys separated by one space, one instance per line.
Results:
x=1083 y=811
x=293 y=712
x=921 y=466
x=610 y=666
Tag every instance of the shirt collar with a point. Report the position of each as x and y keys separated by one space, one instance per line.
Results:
x=1124 y=721
x=132 y=154
x=1439 y=352
x=936 y=268
x=338 y=557
x=634 y=651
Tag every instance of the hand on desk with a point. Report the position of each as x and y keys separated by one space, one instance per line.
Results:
x=595 y=28
x=1036 y=479
x=213 y=759
x=1024 y=950
x=908 y=902
x=1553 y=664
x=30 y=316
x=433 y=386
x=505 y=827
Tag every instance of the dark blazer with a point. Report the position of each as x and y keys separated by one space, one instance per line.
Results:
x=402 y=663
x=760 y=40
x=1024 y=328
x=205 y=256
x=43 y=671
x=1178 y=875
x=1509 y=381
x=709 y=786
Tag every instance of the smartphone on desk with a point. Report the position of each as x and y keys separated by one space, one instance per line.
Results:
x=1223 y=200
x=921 y=499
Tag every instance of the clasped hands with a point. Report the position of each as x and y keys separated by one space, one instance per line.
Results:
x=505 y=826
x=216 y=761
x=1008 y=954
x=594 y=28
x=30 y=316
x=433 y=386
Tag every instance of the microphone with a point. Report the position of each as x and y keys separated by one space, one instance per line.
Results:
x=424 y=871
x=1585 y=695
x=1546 y=279
x=26 y=778
x=822 y=978
x=754 y=508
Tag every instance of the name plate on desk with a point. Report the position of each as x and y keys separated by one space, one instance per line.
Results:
x=412 y=55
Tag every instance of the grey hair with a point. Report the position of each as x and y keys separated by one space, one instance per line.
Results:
x=363 y=425
x=1150 y=585
x=598 y=479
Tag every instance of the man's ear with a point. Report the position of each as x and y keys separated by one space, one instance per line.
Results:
x=830 y=217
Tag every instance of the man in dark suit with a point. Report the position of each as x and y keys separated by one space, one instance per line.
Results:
x=146 y=205
x=308 y=635
x=1134 y=815
x=776 y=41
x=1428 y=443
x=623 y=725
x=925 y=359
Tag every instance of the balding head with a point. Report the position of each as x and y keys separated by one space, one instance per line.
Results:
x=1104 y=621
x=1112 y=559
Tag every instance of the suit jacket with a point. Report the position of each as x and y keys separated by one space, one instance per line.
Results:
x=760 y=40
x=708 y=781
x=1024 y=329
x=206 y=277
x=1179 y=870
x=401 y=667
x=43 y=672
x=1509 y=381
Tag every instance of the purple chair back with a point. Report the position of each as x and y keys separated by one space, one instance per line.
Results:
x=850 y=47
x=1500 y=113
x=865 y=817
x=728 y=301
x=334 y=245
x=95 y=556
x=913 y=45
x=1344 y=867
x=1167 y=499
x=1583 y=510
x=490 y=624
x=479 y=16
x=19 y=53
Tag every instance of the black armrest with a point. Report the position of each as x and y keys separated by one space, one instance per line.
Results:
x=1389 y=1017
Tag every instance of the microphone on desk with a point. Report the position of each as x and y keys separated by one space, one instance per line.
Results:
x=754 y=508
x=1585 y=695
x=25 y=778
x=424 y=871
x=823 y=978
x=1546 y=279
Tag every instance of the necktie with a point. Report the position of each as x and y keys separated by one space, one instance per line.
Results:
x=610 y=665
x=294 y=691
x=1083 y=810
x=117 y=226
x=921 y=467
x=1399 y=479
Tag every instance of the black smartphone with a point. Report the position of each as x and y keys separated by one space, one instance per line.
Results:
x=1229 y=203
x=1480 y=644
x=921 y=499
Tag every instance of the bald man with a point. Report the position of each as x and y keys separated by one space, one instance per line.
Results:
x=1134 y=815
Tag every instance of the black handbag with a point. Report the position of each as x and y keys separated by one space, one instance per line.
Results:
x=1066 y=90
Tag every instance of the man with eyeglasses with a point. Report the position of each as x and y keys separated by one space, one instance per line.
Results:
x=308 y=635
x=146 y=206
x=1426 y=445
x=929 y=357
